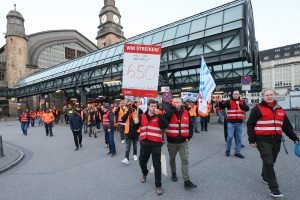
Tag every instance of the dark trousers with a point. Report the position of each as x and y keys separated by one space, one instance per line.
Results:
x=77 y=137
x=24 y=127
x=268 y=153
x=128 y=146
x=48 y=128
x=32 y=122
x=121 y=130
x=145 y=152
x=194 y=119
x=225 y=130
x=204 y=123
x=109 y=139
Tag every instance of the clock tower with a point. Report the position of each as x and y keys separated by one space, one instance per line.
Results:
x=110 y=29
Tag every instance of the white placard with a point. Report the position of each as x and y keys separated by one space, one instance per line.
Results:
x=246 y=87
x=141 y=70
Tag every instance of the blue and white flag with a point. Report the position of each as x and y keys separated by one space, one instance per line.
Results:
x=206 y=86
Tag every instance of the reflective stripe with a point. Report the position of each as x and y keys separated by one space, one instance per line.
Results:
x=176 y=125
x=150 y=127
x=151 y=134
x=234 y=111
x=177 y=131
x=233 y=115
x=267 y=128
x=269 y=122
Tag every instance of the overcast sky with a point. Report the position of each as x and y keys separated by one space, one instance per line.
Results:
x=275 y=20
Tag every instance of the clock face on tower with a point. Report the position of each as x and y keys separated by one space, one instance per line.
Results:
x=103 y=19
x=116 y=19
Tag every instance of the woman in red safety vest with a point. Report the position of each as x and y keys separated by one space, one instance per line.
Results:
x=24 y=119
x=265 y=125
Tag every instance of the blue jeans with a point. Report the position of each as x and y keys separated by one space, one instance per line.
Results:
x=32 y=122
x=98 y=125
x=220 y=119
x=24 y=126
x=234 y=130
x=111 y=142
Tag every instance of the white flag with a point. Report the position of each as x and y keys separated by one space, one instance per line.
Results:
x=206 y=86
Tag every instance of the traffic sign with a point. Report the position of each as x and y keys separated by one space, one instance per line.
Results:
x=246 y=80
x=167 y=96
x=42 y=101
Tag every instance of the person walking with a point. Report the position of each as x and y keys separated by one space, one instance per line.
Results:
x=131 y=132
x=76 y=127
x=32 y=115
x=179 y=132
x=40 y=116
x=48 y=119
x=265 y=125
x=92 y=122
x=108 y=126
x=151 y=141
x=24 y=119
x=121 y=110
x=236 y=108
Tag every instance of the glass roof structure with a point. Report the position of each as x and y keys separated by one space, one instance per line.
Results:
x=215 y=21
x=224 y=35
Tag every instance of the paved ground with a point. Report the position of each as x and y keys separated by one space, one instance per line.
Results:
x=51 y=169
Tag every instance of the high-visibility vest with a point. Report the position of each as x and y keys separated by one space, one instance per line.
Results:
x=150 y=130
x=40 y=113
x=106 y=119
x=234 y=112
x=32 y=114
x=121 y=114
x=48 y=118
x=177 y=126
x=24 y=118
x=270 y=122
x=127 y=124
x=192 y=111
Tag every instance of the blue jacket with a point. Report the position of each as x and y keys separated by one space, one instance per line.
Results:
x=76 y=122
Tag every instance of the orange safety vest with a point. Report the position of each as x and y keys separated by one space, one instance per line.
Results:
x=24 y=118
x=48 y=118
x=234 y=112
x=127 y=124
x=150 y=130
x=40 y=113
x=270 y=122
x=177 y=126
x=192 y=111
x=121 y=114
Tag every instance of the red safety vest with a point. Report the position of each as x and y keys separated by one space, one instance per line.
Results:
x=179 y=125
x=32 y=115
x=24 y=118
x=270 y=122
x=106 y=119
x=150 y=130
x=234 y=112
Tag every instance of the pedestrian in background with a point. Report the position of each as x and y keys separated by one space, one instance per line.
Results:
x=265 y=125
x=76 y=127
x=48 y=119
x=108 y=126
x=24 y=119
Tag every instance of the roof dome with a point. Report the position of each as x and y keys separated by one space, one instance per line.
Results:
x=14 y=13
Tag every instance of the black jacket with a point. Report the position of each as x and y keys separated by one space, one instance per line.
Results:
x=244 y=107
x=255 y=115
x=76 y=122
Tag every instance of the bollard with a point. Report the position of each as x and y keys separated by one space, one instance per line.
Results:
x=1 y=147
x=297 y=122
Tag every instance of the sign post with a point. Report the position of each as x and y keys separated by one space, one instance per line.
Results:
x=141 y=70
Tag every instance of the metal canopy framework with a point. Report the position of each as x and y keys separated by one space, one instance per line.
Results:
x=224 y=35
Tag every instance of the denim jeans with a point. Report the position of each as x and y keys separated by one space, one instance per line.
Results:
x=32 y=122
x=195 y=120
x=220 y=118
x=111 y=141
x=24 y=126
x=234 y=130
x=48 y=128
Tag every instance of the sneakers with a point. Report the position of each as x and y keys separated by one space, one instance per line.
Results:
x=143 y=179
x=125 y=161
x=227 y=153
x=123 y=141
x=188 y=185
x=276 y=194
x=174 y=177
x=239 y=155
x=76 y=149
x=159 y=191
x=80 y=145
x=135 y=157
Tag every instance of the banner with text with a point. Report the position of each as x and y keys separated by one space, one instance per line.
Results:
x=141 y=70
x=189 y=96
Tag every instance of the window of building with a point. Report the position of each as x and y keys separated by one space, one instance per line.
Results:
x=266 y=58
x=277 y=56
x=297 y=52
x=69 y=53
x=286 y=48
x=80 y=53
x=267 y=78
x=277 y=50
x=286 y=54
x=283 y=76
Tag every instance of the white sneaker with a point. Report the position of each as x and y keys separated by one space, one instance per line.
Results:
x=135 y=157
x=125 y=161
x=123 y=141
